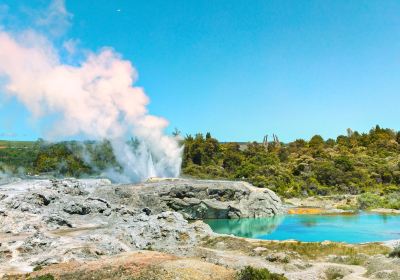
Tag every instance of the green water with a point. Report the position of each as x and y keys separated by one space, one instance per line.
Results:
x=364 y=227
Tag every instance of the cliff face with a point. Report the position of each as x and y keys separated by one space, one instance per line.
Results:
x=52 y=221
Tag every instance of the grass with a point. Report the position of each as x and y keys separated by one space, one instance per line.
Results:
x=356 y=259
x=106 y=272
x=43 y=277
x=353 y=259
x=308 y=250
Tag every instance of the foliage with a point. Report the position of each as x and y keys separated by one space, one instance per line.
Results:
x=334 y=273
x=251 y=273
x=395 y=253
x=44 y=277
x=367 y=163
x=370 y=201
x=37 y=268
x=70 y=158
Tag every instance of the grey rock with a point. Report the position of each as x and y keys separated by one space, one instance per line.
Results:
x=196 y=199
x=58 y=221
x=51 y=221
x=35 y=244
x=68 y=186
x=76 y=208
x=5 y=254
x=40 y=199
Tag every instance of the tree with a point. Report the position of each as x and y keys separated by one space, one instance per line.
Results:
x=176 y=132
x=316 y=142
x=330 y=142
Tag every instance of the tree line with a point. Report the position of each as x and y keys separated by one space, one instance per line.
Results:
x=350 y=164
x=355 y=163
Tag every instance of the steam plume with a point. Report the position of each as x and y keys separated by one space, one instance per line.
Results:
x=96 y=99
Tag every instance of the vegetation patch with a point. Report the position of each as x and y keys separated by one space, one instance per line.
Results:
x=350 y=164
x=395 y=253
x=352 y=259
x=37 y=268
x=308 y=250
x=251 y=273
x=43 y=277
x=366 y=164
x=334 y=273
x=371 y=200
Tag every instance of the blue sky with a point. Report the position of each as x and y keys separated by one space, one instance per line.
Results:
x=241 y=69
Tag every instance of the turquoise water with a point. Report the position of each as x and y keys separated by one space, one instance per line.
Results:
x=364 y=227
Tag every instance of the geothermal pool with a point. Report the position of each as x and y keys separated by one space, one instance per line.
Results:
x=357 y=228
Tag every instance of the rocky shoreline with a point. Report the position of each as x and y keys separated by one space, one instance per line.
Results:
x=92 y=229
x=45 y=222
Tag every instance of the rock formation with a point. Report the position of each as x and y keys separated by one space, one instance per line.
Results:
x=201 y=199
x=52 y=221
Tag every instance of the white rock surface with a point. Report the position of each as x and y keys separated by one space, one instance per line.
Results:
x=51 y=221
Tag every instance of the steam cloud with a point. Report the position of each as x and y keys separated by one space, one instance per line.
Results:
x=95 y=98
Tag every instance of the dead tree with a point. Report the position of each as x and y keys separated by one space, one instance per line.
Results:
x=276 y=141
x=265 y=142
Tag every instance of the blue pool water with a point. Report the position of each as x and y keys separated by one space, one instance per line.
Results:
x=358 y=228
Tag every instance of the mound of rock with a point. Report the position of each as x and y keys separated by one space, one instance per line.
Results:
x=51 y=221
x=200 y=199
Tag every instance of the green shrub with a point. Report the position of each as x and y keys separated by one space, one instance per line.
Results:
x=393 y=201
x=395 y=253
x=251 y=273
x=37 y=268
x=334 y=274
x=369 y=200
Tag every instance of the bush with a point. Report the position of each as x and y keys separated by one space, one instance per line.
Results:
x=333 y=273
x=37 y=268
x=369 y=200
x=393 y=201
x=251 y=273
x=395 y=253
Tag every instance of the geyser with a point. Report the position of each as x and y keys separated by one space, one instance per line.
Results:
x=94 y=98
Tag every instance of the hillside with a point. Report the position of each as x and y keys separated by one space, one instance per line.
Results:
x=351 y=164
